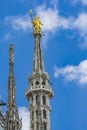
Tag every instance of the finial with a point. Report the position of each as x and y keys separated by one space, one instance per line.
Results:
x=30 y=12
x=11 y=53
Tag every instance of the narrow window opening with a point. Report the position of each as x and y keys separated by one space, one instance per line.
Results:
x=36 y=113
x=32 y=115
x=37 y=100
x=44 y=114
x=44 y=100
x=44 y=126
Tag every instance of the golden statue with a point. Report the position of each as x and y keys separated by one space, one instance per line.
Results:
x=37 y=25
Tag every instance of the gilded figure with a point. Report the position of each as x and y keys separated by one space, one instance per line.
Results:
x=37 y=25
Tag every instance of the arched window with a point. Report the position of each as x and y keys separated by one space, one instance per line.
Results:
x=44 y=100
x=37 y=83
x=37 y=100
x=44 y=113
x=36 y=113
x=43 y=83
x=44 y=126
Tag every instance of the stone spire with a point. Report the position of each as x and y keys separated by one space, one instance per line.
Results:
x=40 y=91
x=12 y=121
x=11 y=82
x=38 y=64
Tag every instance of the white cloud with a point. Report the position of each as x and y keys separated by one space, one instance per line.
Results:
x=49 y=16
x=81 y=24
x=73 y=73
x=24 y=114
x=18 y=22
x=51 y=19
x=81 y=21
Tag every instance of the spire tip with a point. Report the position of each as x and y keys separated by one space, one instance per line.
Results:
x=11 y=53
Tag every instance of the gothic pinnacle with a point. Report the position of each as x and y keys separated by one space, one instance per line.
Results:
x=38 y=65
x=39 y=91
x=11 y=85
x=12 y=121
x=11 y=54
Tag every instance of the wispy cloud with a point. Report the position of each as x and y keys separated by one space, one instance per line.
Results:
x=18 y=22
x=73 y=73
x=49 y=16
x=81 y=25
x=54 y=3
x=51 y=19
x=7 y=36
x=24 y=114
x=84 y=2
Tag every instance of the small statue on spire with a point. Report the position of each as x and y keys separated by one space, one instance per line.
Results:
x=36 y=24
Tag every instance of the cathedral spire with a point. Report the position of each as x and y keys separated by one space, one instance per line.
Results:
x=12 y=121
x=38 y=65
x=11 y=84
x=39 y=91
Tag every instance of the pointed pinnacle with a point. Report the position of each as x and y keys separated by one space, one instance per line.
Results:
x=11 y=54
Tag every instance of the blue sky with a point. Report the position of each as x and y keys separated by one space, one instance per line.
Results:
x=65 y=55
